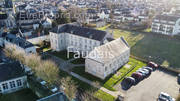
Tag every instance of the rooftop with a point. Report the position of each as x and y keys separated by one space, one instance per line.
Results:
x=18 y=41
x=81 y=31
x=10 y=70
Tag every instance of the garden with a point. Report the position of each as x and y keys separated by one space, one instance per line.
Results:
x=113 y=79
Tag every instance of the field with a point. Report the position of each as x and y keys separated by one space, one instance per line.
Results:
x=23 y=95
x=158 y=48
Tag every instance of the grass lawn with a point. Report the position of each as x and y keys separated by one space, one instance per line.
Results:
x=23 y=95
x=104 y=96
x=160 y=49
x=63 y=55
x=88 y=88
x=112 y=80
x=79 y=61
x=104 y=28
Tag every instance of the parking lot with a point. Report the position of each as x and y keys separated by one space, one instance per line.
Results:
x=149 y=89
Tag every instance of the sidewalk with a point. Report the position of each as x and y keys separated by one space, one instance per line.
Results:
x=67 y=66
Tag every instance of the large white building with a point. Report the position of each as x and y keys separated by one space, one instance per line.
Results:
x=76 y=38
x=166 y=24
x=12 y=77
x=108 y=58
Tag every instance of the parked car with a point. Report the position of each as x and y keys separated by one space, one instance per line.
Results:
x=153 y=65
x=178 y=78
x=127 y=83
x=120 y=98
x=144 y=72
x=148 y=68
x=137 y=76
x=165 y=97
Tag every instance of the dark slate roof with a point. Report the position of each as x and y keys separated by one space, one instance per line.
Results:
x=167 y=17
x=91 y=11
x=3 y=16
x=55 y=97
x=10 y=70
x=110 y=39
x=18 y=41
x=82 y=31
x=105 y=11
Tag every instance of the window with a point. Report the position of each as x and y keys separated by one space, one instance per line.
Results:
x=105 y=68
x=85 y=41
x=90 y=41
x=19 y=83
x=85 y=46
x=12 y=84
x=5 y=86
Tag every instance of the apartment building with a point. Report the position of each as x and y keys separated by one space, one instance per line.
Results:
x=166 y=24
x=76 y=38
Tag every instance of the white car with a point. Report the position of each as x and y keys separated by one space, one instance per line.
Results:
x=165 y=97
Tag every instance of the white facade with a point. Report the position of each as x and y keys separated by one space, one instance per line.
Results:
x=47 y=23
x=38 y=39
x=71 y=42
x=167 y=27
x=13 y=85
x=108 y=58
x=102 y=15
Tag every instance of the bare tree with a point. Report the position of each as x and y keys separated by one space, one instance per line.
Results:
x=70 y=87
x=86 y=96
x=47 y=70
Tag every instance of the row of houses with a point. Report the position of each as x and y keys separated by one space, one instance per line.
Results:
x=104 y=55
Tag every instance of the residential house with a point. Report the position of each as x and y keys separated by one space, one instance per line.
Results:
x=104 y=14
x=12 y=77
x=76 y=38
x=47 y=23
x=6 y=20
x=108 y=58
x=19 y=43
x=166 y=24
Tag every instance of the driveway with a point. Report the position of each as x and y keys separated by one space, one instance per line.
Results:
x=148 y=89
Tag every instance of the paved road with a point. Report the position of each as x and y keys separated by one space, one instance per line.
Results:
x=148 y=89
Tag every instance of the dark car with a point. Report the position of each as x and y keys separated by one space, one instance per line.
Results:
x=144 y=72
x=179 y=79
x=153 y=65
x=120 y=98
x=127 y=83
x=148 y=68
x=137 y=76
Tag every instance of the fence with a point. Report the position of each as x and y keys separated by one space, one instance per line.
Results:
x=36 y=40
x=160 y=67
